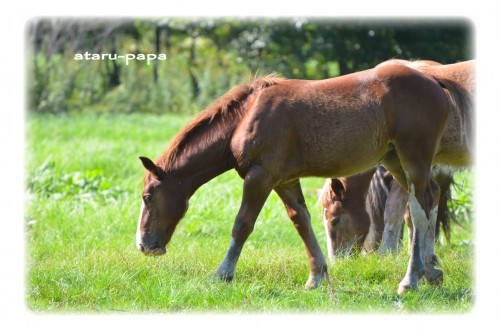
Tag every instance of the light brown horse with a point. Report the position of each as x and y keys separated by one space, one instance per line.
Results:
x=275 y=131
x=353 y=211
x=358 y=213
x=396 y=211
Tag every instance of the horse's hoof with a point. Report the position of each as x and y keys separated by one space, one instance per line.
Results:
x=403 y=289
x=315 y=280
x=407 y=285
x=222 y=277
x=434 y=277
x=311 y=284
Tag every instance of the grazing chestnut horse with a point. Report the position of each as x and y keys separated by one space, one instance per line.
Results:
x=275 y=131
x=354 y=209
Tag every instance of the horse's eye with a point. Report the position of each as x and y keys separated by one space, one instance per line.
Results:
x=336 y=220
x=147 y=198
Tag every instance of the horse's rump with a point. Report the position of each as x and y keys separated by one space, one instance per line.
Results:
x=457 y=144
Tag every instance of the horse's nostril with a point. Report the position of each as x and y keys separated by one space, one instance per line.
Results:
x=141 y=247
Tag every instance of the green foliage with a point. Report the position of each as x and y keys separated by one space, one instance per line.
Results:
x=80 y=240
x=205 y=57
x=89 y=184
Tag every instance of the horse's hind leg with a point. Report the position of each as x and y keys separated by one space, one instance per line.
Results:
x=293 y=199
x=256 y=188
x=432 y=275
x=414 y=174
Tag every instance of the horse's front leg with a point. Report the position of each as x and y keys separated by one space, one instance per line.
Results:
x=293 y=199
x=393 y=219
x=256 y=188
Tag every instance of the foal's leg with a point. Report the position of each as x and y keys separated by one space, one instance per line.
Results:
x=256 y=188
x=292 y=197
x=409 y=225
x=393 y=218
x=420 y=200
x=432 y=275
x=417 y=175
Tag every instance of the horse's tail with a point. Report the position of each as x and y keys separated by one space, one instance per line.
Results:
x=461 y=102
x=445 y=181
x=376 y=198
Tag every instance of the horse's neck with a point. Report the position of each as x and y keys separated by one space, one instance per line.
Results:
x=196 y=166
x=195 y=176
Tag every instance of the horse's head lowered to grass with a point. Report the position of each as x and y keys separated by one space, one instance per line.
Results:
x=162 y=208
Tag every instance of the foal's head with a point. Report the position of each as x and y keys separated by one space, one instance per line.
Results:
x=344 y=217
x=163 y=206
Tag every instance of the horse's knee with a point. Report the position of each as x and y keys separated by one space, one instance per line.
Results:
x=300 y=219
x=242 y=229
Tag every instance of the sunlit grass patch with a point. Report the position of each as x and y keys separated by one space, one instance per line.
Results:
x=83 y=182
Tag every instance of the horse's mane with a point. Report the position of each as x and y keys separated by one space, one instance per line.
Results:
x=226 y=111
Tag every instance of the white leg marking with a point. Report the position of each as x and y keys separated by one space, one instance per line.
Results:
x=418 y=217
x=138 y=232
x=329 y=244
x=429 y=247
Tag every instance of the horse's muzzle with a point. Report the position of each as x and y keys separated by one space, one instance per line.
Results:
x=152 y=251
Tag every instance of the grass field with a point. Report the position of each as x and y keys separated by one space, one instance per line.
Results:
x=84 y=181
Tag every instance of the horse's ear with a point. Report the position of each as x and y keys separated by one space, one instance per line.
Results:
x=150 y=166
x=338 y=188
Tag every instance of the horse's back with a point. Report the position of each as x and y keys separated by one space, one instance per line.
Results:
x=311 y=123
x=462 y=73
x=340 y=126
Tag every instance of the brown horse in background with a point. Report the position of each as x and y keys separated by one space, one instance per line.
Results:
x=354 y=209
x=275 y=131
x=349 y=221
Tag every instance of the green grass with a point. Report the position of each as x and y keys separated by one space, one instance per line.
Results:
x=84 y=181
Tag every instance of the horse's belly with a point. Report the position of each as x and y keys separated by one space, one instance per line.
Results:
x=342 y=164
x=459 y=158
x=347 y=152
